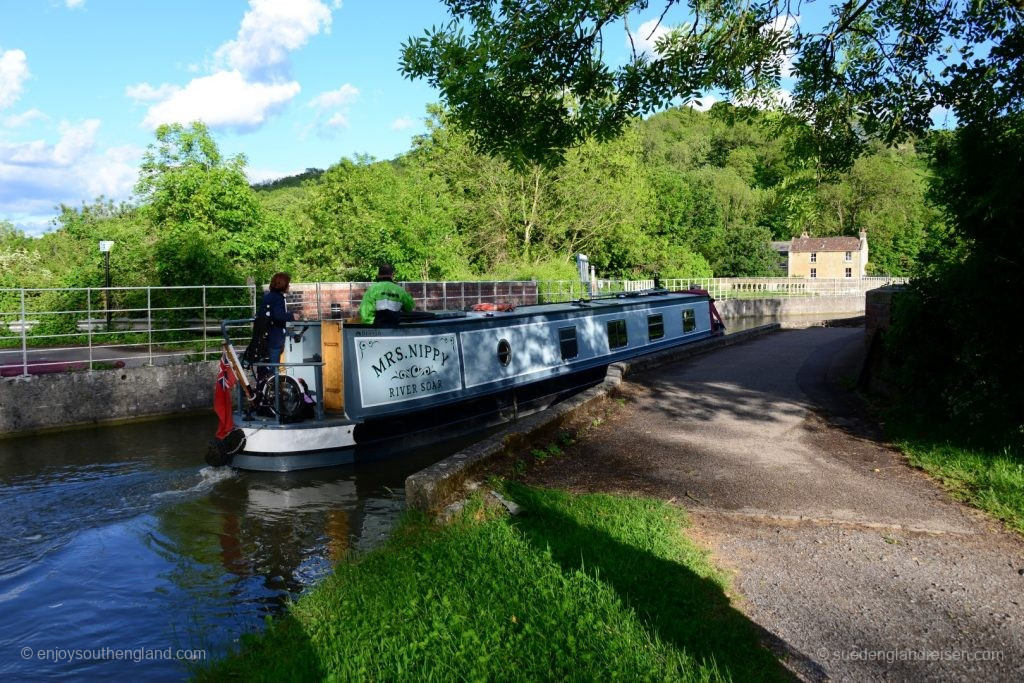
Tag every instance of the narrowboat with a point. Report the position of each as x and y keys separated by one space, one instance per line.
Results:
x=344 y=391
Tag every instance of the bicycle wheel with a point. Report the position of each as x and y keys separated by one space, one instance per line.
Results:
x=290 y=404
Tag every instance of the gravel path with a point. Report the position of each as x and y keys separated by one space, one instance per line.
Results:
x=856 y=566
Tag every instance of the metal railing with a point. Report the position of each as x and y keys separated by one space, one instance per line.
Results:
x=53 y=330
x=49 y=330
x=781 y=287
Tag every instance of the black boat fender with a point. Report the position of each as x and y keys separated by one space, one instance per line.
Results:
x=219 y=452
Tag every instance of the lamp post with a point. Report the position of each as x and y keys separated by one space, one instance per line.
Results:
x=105 y=246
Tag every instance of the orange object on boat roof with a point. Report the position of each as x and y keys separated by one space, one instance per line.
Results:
x=487 y=306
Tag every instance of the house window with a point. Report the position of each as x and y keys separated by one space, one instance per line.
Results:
x=814 y=272
x=655 y=327
x=814 y=257
x=849 y=272
x=849 y=256
x=689 y=321
x=567 y=340
x=617 y=334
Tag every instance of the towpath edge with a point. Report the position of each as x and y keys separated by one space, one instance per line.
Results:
x=430 y=488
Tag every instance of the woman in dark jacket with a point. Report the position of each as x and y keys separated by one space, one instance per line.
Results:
x=273 y=306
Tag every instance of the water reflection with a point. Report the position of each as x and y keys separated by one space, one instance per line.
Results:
x=118 y=538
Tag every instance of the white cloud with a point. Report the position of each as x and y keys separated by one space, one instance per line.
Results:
x=335 y=99
x=647 y=35
x=251 y=81
x=337 y=121
x=703 y=103
x=13 y=74
x=75 y=141
x=224 y=100
x=402 y=122
x=74 y=4
x=270 y=30
x=332 y=110
x=144 y=92
x=36 y=176
x=19 y=120
x=784 y=25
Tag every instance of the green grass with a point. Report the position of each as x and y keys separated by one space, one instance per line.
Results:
x=992 y=481
x=588 y=587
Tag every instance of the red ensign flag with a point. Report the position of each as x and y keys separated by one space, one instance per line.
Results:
x=222 y=397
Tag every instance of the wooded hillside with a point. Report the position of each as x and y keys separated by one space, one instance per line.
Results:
x=680 y=194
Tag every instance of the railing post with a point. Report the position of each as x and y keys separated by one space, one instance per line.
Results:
x=149 y=321
x=444 y=295
x=204 y=324
x=24 y=337
x=88 y=322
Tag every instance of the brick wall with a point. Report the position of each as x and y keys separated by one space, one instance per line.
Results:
x=341 y=299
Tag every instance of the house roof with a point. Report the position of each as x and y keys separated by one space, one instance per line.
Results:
x=808 y=244
x=781 y=246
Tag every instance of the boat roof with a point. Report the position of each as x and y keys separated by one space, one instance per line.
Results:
x=620 y=300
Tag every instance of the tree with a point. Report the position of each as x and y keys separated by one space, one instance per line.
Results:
x=529 y=80
x=193 y=195
x=365 y=212
x=959 y=356
x=20 y=264
x=884 y=194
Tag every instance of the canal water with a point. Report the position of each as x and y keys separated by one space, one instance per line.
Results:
x=121 y=543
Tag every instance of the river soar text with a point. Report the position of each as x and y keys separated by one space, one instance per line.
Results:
x=424 y=352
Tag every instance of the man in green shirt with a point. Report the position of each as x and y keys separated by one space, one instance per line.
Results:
x=384 y=300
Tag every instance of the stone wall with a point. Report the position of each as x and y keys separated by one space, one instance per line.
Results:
x=852 y=304
x=877 y=319
x=59 y=400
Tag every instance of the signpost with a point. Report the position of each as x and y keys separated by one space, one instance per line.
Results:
x=105 y=246
x=583 y=265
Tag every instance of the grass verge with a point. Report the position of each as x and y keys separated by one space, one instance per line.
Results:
x=990 y=480
x=576 y=587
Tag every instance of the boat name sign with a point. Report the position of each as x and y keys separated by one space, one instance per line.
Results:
x=397 y=369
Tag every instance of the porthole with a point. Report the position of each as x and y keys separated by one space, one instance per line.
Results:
x=504 y=352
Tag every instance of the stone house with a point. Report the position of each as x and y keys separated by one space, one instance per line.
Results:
x=824 y=257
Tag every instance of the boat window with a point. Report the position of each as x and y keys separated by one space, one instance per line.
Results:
x=504 y=352
x=655 y=327
x=567 y=340
x=689 y=320
x=617 y=334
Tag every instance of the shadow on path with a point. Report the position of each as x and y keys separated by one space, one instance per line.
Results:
x=680 y=606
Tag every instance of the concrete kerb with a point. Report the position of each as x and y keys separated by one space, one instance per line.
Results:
x=444 y=481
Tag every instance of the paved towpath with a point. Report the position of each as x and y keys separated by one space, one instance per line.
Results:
x=858 y=566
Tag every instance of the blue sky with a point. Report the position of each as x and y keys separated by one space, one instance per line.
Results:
x=291 y=84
